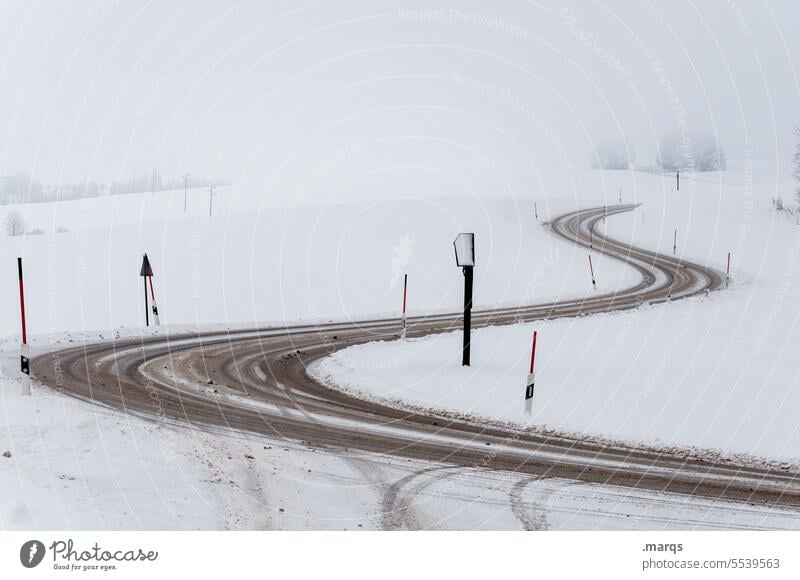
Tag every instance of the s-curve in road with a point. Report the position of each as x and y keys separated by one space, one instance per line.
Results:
x=255 y=382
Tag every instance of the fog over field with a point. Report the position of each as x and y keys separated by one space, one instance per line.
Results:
x=264 y=93
x=629 y=172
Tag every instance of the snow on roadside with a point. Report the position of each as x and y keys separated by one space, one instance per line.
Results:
x=70 y=465
x=66 y=464
x=715 y=372
x=340 y=261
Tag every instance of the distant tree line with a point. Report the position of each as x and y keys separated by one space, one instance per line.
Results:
x=22 y=188
x=677 y=152
x=690 y=152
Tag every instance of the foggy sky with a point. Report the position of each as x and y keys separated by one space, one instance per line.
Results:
x=262 y=93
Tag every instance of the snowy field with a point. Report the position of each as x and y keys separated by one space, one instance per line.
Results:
x=74 y=466
x=251 y=265
x=68 y=465
x=712 y=372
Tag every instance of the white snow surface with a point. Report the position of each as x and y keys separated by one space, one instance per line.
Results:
x=712 y=372
x=250 y=264
x=77 y=466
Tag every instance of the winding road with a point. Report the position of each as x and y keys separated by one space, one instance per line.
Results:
x=255 y=381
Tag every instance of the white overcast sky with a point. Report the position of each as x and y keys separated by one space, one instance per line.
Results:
x=251 y=90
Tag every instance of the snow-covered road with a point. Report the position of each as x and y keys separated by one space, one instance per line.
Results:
x=255 y=382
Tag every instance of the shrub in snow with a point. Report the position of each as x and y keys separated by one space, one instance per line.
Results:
x=14 y=224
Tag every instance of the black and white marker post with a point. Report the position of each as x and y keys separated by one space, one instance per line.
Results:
x=146 y=272
x=678 y=180
x=675 y=242
x=531 y=379
x=25 y=354
x=536 y=211
x=591 y=272
x=464 y=245
x=403 y=320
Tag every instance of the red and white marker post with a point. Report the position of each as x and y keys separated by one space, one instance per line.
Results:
x=591 y=272
x=529 y=383
x=25 y=354
x=403 y=319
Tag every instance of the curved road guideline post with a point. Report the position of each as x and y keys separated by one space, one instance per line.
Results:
x=260 y=386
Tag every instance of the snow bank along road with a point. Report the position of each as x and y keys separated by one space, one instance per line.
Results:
x=255 y=381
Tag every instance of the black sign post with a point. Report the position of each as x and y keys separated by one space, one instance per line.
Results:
x=464 y=245
x=467 y=314
x=144 y=272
